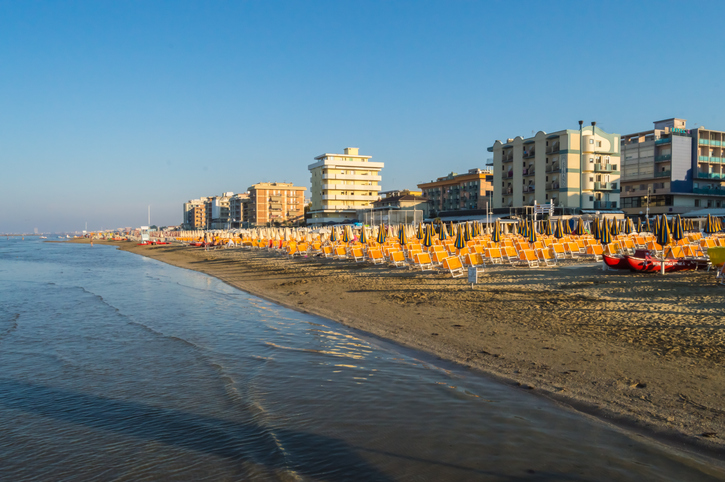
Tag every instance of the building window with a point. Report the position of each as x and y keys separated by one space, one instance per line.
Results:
x=591 y=198
x=591 y=141
x=599 y=144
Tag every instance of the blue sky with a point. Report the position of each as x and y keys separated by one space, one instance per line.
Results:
x=107 y=107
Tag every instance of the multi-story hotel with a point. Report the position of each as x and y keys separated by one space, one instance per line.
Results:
x=195 y=214
x=342 y=185
x=456 y=192
x=275 y=202
x=672 y=169
x=571 y=169
x=236 y=210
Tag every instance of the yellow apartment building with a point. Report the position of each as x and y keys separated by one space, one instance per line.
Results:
x=571 y=169
x=342 y=185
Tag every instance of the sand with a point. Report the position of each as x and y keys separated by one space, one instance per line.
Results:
x=642 y=351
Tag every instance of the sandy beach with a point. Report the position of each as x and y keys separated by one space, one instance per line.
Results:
x=641 y=351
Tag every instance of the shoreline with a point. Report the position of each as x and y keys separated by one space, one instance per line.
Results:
x=611 y=367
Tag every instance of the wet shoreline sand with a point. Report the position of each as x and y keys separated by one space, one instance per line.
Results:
x=637 y=350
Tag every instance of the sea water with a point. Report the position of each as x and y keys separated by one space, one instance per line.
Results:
x=118 y=367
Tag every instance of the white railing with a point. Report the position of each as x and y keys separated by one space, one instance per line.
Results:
x=351 y=187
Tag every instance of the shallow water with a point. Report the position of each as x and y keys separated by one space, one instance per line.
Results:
x=118 y=367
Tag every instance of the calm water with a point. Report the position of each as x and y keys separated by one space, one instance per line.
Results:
x=117 y=367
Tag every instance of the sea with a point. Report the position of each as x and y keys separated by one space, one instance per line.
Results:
x=117 y=367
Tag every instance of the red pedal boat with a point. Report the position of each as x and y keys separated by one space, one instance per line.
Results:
x=644 y=262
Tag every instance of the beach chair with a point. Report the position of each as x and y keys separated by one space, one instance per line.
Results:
x=375 y=256
x=474 y=260
x=528 y=256
x=438 y=256
x=675 y=252
x=546 y=256
x=511 y=255
x=328 y=252
x=596 y=251
x=693 y=251
x=423 y=261
x=397 y=259
x=582 y=246
x=572 y=249
x=494 y=255
x=454 y=266
x=301 y=249
x=356 y=253
x=657 y=248
x=291 y=250
x=559 y=251
x=340 y=252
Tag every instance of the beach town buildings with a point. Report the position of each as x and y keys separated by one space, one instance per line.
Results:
x=342 y=185
x=273 y=203
x=457 y=192
x=573 y=169
x=398 y=206
x=195 y=214
x=218 y=214
x=236 y=210
x=671 y=169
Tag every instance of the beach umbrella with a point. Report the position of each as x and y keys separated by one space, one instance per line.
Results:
x=401 y=236
x=559 y=231
x=381 y=234
x=467 y=232
x=628 y=226
x=647 y=226
x=428 y=237
x=333 y=235
x=639 y=225
x=549 y=229
x=664 y=237
x=709 y=225
x=475 y=232
x=532 y=233
x=580 y=227
x=444 y=232
x=345 y=235
x=606 y=233
x=496 y=236
x=596 y=229
x=678 y=231
x=460 y=242
x=567 y=226
x=420 y=234
x=656 y=230
x=615 y=227
x=363 y=236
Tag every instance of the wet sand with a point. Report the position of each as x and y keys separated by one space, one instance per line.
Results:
x=642 y=351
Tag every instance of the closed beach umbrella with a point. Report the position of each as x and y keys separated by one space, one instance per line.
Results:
x=606 y=236
x=381 y=234
x=345 y=235
x=467 y=232
x=628 y=226
x=567 y=226
x=402 y=239
x=428 y=237
x=709 y=225
x=657 y=226
x=333 y=236
x=664 y=237
x=559 y=232
x=496 y=236
x=460 y=242
x=420 y=234
x=444 y=232
x=532 y=233
x=647 y=225
x=475 y=231
x=596 y=229
x=363 y=236
x=549 y=228
x=677 y=230
x=580 y=227
x=615 y=227
x=639 y=225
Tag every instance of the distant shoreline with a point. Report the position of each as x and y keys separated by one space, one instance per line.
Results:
x=594 y=340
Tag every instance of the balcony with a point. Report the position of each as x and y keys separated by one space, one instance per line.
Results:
x=552 y=186
x=510 y=174
x=508 y=158
x=603 y=186
x=351 y=187
x=663 y=174
x=604 y=167
x=664 y=157
x=529 y=172
x=509 y=191
x=529 y=154
x=351 y=177
x=704 y=142
x=709 y=175
x=712 y=191
x=553 y=167
x=715 y=143
x=605 y=205
x=348 y=197
x=665 y=140
x=553 y=149
x=530 y=188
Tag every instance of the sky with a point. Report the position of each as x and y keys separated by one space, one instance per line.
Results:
x=109 y=107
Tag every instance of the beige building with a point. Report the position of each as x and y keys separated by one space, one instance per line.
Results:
x=236 y=210
x=571 y=169
x=275 y=203
x=342 y=185
x=195 y=213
